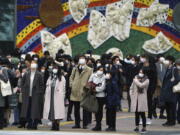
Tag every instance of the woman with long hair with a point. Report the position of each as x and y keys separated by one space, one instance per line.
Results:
x=54 y=108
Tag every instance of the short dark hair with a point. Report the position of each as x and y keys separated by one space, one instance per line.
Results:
x=170 y=58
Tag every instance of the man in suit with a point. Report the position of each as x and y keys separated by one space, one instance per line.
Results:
x=161 y=71
x=167 y=97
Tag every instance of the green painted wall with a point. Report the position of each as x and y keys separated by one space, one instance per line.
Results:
x=132 y=45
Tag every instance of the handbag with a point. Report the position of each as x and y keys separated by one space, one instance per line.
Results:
x=90 y=86
x=5 y=88
x=13 y=100
x=89 y=102
x=176 y=88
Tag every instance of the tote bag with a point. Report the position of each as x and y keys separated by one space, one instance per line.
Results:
x=5 y=88
x=176 y=88
x=89 y=102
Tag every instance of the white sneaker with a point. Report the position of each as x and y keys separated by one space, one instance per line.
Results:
x=148 y=122
x=49 y=123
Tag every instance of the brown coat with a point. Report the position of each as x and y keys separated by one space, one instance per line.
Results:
x=37 y=95
x=78 y=81
x=139 y=99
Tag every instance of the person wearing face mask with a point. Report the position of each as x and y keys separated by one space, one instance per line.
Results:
x=150 y=69
x=138 y=94
x=78 y=80
x=112 y=100
x=32 y=97
x=178 y=94
x=161 y=70
x=54 y=108
x=167 y=97
x=131 y=70
x=117 y=68
x=98 y=78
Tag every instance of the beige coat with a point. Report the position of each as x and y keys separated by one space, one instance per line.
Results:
x=59 y=94
x=139 y=99
x=78 y=81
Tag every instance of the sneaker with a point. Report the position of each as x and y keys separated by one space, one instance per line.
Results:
x=49 y=123
x=136 y=129
x=143 y=131
x=148 y=122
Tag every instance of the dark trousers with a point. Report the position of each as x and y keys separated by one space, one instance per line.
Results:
x=111 y=117
x=70 y=107
x=32 y=123
x=178 y=109
x=155 y=106
x=150 y=107
x=128 y=98
x=87 y=116
x=171 y=112
x=76 y=112
x=137 y=118
x=1 y=117
x=99 y=114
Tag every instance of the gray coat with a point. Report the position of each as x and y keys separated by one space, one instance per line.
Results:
x=161 y=71
x=37 y=95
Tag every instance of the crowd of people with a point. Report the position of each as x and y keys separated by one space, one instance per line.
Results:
x=43 y=87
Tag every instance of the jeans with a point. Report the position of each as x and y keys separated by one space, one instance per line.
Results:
x=16 y=115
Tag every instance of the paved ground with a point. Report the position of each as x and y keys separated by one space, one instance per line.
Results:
x=125 y=125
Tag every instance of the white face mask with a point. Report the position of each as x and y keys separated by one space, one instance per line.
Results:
x=50 y=67
x=162 y=59
x=36 y=59
x=107 y=76
x=33 y=66
x=99 y=64
x=118 y=62
x=133 y=62
x=42 y=70
x=141 y=75
x=142 y=60
x=107 y=65
x=55 y=71
x=166 y=62
x=99 y=73
x=82 y=61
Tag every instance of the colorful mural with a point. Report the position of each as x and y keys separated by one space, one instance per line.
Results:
x=29 y=24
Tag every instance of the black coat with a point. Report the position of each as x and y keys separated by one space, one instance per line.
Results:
x=37 y=95
x=167 y=94
x=112 y=93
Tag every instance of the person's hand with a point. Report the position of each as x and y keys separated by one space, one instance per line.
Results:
x=1 y=72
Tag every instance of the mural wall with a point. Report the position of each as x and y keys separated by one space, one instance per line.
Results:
x=29 y=26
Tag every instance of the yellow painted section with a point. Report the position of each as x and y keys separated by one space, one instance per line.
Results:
x=28 y=29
